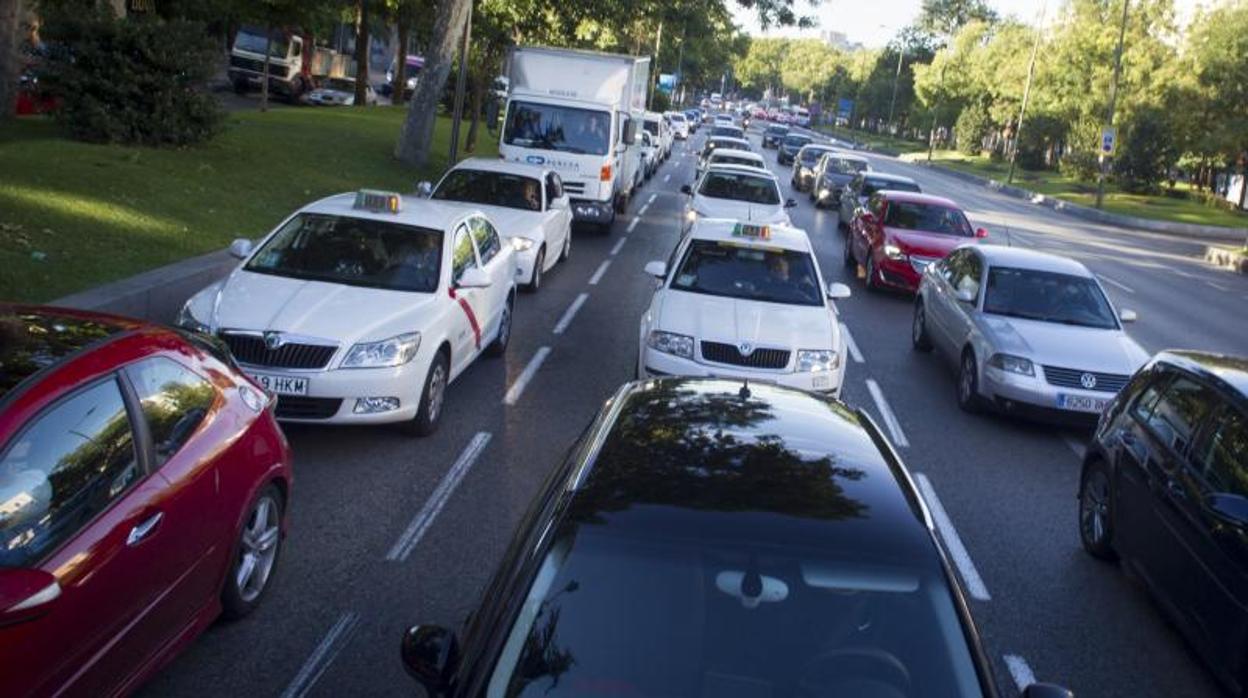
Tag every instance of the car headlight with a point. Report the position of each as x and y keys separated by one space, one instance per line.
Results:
x=671 y=343
x=691 y=215
x=1012 y=364
x=894 y=252
x=395 y=351
x=521 y=244
x=811 y=360
x=187 y=320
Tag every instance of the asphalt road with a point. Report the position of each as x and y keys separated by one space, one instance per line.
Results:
x=388 y=531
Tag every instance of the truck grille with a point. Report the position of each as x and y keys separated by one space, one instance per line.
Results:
x=1073 y=378
x=296 y=407
x=249 y=349
x=253 y=65
x=574 y=187
x=721 y=353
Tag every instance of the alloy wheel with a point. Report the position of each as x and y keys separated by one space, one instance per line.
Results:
x=437 y=388
x=1094 y=508
x=260 y=540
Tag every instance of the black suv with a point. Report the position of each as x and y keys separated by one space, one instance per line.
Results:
x=1165 y=488
x=715 y=538
x=792 y=143
x=773 y=134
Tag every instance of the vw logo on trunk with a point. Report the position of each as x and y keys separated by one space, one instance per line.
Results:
x=273 y=340
x=1088 y=381
x=745 y=348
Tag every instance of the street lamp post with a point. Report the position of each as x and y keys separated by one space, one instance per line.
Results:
x=461 y=81
x=1113 y=98
x=1022 y=112
x=901 y=53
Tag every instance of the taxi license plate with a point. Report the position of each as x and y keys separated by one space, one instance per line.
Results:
x=282 y=385
x=1080 y=403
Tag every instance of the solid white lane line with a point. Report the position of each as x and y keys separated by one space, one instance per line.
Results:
x=961 y=559
x=1119 y=284
x=667 y=178
x=1075 y=445
x=632 y=225
x=424 y=518
x=602 y=269
x=517 y=388
x=851 y=344
x=323 y=655
x=571 y=312
x=618 y=244
x=651 y=199
x=1218 y=286
x=1020 y=671
x=890 y=419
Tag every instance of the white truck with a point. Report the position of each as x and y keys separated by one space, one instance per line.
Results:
x=295 y=64
x=578 y=113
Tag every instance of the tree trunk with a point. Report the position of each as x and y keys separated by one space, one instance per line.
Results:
x=264 y=81
x=399 y=93
x=361 y=53
x=10 y=59
x=478 y=99
x=416 y=137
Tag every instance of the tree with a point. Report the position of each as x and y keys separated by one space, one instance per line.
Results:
x=416 y=136
x=361 y=52
x=1216 y=96
x=946 y=17
x=10 y=58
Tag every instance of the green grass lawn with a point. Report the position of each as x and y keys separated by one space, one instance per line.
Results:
x=879 y=142
x=75 y=215
x=1167 y=208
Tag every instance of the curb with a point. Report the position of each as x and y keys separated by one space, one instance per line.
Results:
x=156 y=295
x=1188 y=230
x=1227 y=258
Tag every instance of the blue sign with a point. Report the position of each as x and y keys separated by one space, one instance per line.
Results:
x=845 y=108
x=667 y=82
x=535 y=160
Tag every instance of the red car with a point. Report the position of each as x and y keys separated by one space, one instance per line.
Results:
x=143 y=491
x=897 y=234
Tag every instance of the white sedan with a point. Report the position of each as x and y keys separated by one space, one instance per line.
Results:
x=361 y=308
x=527 y=202
x=339 y=92
x=737 y=192
x=744 y=301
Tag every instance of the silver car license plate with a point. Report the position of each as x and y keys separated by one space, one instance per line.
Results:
x=1081 y=403
x=282 y=385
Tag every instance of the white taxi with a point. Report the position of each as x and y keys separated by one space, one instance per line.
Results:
x=744 y=301
x=737 y=192
x=527 y=203
x=361 y=308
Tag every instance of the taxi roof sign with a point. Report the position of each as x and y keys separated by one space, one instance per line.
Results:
x=745 y=230
x=377 y=201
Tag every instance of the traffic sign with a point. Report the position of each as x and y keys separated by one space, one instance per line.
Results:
x=1109 y=140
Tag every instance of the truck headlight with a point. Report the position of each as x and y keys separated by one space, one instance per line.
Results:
x=1012 y=364
x=894 y=252
x=811 y=360
x=395 y=351
x=671 y=343
x=187 y=320
x=521 y=244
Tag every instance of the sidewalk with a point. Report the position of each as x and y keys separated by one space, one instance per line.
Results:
x=155 y=295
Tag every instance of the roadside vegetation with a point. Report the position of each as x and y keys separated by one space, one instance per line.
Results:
x=74 y=215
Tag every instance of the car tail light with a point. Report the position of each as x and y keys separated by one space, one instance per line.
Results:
x=605 y=174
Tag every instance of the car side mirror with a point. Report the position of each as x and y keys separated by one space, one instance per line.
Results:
x=981 y=232
x=430 y=655
x=657 y=269
x=424 y=189
x=240 y=248
x=838 y=291
x=26 y=594
x=686 y=189
x=1128 y=315
x=474 y=278
x=790 y=203
x=1229 y=508
x=1047 y=690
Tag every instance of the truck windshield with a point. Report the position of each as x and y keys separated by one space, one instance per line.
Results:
x=565 y=129
x=254 y=41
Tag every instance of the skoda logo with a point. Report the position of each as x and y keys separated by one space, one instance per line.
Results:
x=1088 y=381
x=535 y=160
x=273 y=340
x=745 y=348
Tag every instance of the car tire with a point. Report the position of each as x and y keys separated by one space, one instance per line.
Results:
x=499 y=346
x=919 y=338
x=432 y=396
x=968 y=384
x=535 y=284
x=1096 y=521
x=567 y=247
x=849 y=254
x=872 y=284
x=257 y=545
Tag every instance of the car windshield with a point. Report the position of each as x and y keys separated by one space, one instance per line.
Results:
x=796 y=141
x=565 y=129
x=353 y=251
x=1048 y=297
x=652 y=127
x=730 y=131
x=719 y=159
x=810 y=156
x=753 y=273
x=871 y=186
x=849 y=166
x=254 y=42
x=929 y=218
x=740 y=186
x=491 y=189
x=340 y=84
x=678 y=117
x=621 y=613
x=730 y=143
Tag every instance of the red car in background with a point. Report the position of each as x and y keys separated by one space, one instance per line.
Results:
x=143 y=491
x=897 y=234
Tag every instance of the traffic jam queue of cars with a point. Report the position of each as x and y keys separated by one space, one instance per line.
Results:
x=703 y=500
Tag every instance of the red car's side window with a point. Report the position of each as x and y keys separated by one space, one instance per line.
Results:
x=174 y=402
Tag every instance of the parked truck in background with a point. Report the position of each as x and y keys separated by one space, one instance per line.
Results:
x=578 y=112
x=295 y=63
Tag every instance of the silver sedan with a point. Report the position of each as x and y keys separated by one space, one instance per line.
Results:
x=1029 y=332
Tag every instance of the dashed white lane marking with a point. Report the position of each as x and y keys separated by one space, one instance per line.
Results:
x=1119 y=284
x=632 y=225
x=851 y=344
x=642 y=211
x=890 y=419
x=1075 y=445
x=651 y=199
x=424 y=518
x=667 y=178
x=323 y=655
x=618 y=244
x=1020 y=671
x=517 y=388
x=1218 y=286
x=570 y=313
x=961 y=559
x=602 y=269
